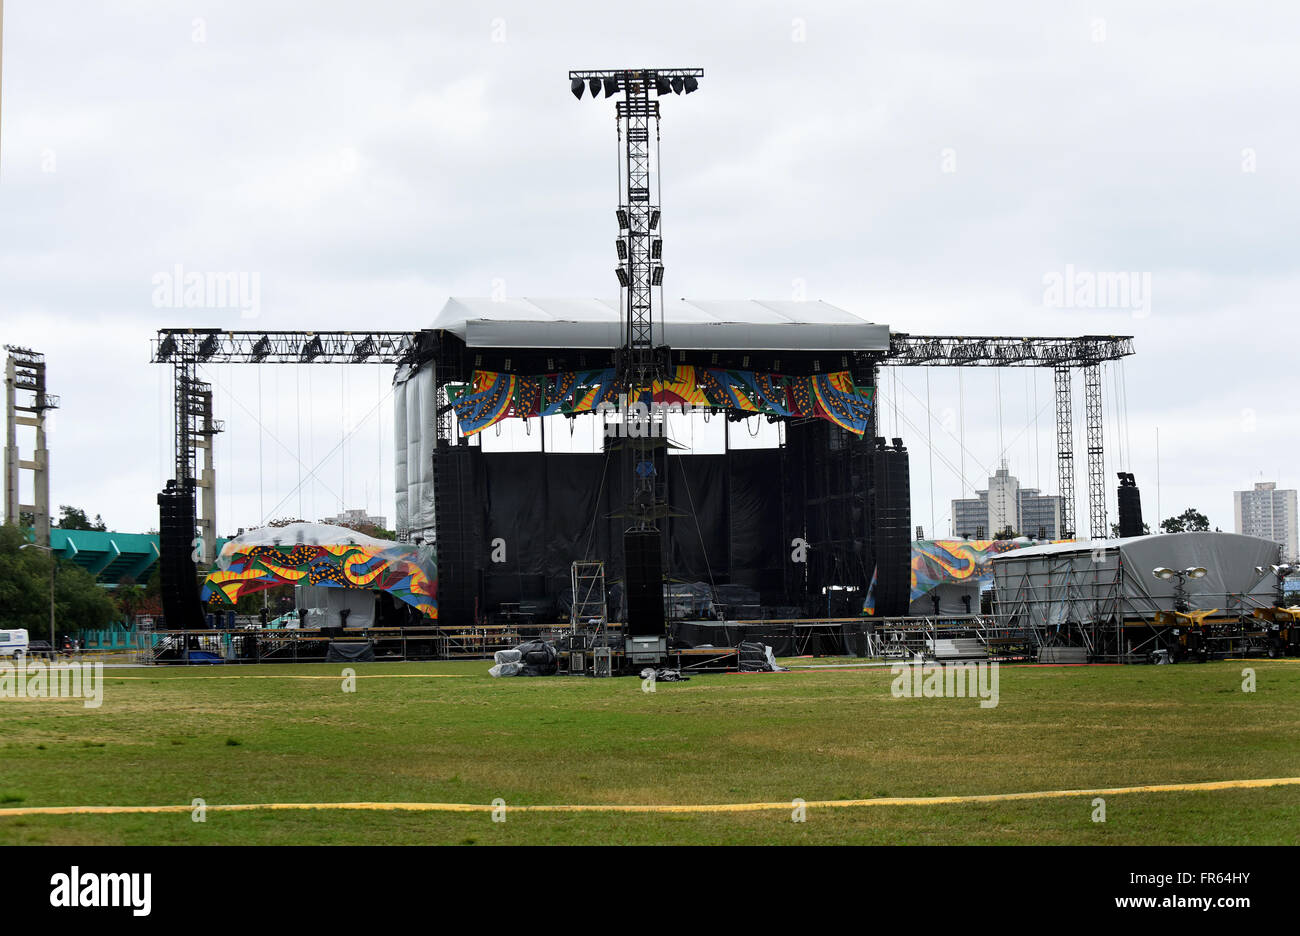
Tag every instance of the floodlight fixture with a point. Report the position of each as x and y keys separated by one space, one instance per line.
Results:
x=594 y=85
x=1161 y=572
x=691 y=84
x=208 y=347
x=261 y=350
x=663 y=85
x=623 y=223
x=656 y=248
x=657 y=276
x=576 y=86
x=611 y=86
x=166 y=348
x=654 y=218
x=678 y=84
x=1194 y=573
x=621 y=273
x=621 y=246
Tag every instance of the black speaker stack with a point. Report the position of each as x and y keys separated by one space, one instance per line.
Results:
x=1130 y=506
x=176 y=568
x=644 y=568
x=459 y=521
x=891 y=509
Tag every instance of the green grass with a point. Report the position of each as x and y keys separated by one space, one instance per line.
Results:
x=177 y=734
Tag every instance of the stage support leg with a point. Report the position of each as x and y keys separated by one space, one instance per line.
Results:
x=1065 y=449
x=1096 y=452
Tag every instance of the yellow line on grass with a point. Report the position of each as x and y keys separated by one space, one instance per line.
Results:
x=661 y=808
x=108 y=676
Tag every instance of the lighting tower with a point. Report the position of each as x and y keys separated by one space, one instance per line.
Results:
x=640 y=361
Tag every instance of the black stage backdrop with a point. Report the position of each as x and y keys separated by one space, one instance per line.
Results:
x=726 y=521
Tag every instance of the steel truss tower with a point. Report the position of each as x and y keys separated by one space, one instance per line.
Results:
x=1062 y=355
x=639 y=249
x=187 y=349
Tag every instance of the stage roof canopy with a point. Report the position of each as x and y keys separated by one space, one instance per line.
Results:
x=758 y=325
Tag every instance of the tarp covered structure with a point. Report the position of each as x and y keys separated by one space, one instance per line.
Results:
x=756 y=325
x=322 y=555
x=1093 y=581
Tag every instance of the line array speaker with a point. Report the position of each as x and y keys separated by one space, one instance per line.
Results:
x=176 y=569
x=645 y=583
x=892 y=522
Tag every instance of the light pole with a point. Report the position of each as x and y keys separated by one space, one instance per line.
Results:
x=1180 y=590
x=1280 y=572
x=54 y=564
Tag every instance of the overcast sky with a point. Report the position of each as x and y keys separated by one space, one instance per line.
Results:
x=930 y=166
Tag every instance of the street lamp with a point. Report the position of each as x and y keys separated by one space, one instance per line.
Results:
x=53 y=566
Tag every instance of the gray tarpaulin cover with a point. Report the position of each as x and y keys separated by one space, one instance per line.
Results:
x=1103 y=579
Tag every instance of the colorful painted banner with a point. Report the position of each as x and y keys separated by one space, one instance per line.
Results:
x=937 y=562
x=492 y=397
x=398 y=569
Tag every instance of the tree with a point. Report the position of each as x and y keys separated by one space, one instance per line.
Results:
x=1006 y=533
x=74 y=518
x=1114 y=530
x=1190 y=520
x=79 y=603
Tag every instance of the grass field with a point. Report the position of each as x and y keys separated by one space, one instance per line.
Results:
x=167 y=736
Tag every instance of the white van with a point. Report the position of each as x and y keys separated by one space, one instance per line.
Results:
x=13 y=643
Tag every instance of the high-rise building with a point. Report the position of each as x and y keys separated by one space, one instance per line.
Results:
x=1267 y=513
x=1004 y=504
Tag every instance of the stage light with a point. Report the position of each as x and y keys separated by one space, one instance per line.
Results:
x=656 y=248
x=691 y=85
x=611 y=87
x=594 y=84
x=576 y=86
x=621 y=273
x=654 y=218
x=621 y=214
x=1161 y=572
x=166 y=348
x=621 y=246
x=657 y=276
x=208 y=347
x=663 y=85
x=261 y=350
x=1195 y=573
x=311 y=350
x=677 y=85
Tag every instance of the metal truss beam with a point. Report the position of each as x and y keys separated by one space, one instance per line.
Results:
x=974 y=350
x=213 y=346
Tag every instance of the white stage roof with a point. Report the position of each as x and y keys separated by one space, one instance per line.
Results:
x=748 y=324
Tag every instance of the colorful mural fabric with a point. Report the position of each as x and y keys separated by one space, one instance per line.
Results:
x=937 y=562
x=492 y=396
x=402 y=570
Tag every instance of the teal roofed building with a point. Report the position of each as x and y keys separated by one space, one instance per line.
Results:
x=110 y=556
